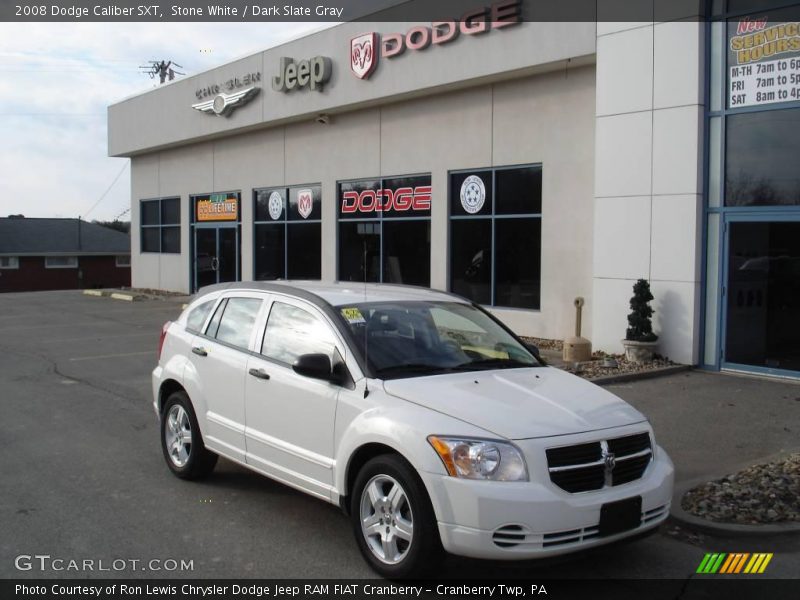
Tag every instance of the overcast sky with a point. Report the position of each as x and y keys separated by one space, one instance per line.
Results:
x=56 y=80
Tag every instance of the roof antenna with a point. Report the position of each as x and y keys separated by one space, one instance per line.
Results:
x=366 y=332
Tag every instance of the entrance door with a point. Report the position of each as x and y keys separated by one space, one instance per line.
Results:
x=762 y=295
x=216 y=255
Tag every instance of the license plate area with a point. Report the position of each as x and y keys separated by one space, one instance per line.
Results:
x=623 y=515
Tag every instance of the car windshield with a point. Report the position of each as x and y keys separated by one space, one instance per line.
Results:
x=412 y=339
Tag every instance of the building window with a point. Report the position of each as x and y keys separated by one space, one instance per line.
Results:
x=288 y=232
x=496 y=235
x=385 y=230
x=61 y=262
x=123 y=260
x=9 y=262
x=160 y=221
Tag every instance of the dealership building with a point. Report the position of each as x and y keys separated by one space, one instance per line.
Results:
x=519 y=164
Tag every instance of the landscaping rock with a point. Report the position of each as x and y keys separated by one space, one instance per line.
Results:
x=761 y=494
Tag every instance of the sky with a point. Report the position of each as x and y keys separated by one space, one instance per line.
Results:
x=56 y=80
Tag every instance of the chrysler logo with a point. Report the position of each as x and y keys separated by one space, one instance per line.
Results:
x=223 y=104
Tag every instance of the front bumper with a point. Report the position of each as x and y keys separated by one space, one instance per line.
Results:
x=515 y=521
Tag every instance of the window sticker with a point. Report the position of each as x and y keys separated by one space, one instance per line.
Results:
x=353 y=316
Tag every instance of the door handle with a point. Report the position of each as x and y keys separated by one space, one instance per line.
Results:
x=260 y=373
x=199 y=351
x=215 y=264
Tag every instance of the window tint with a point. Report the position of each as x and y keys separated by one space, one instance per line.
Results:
x=237 y=321
x=292 y=332
x=151 y=240
x=270 y=251
x=150 y=213
x=519 y=191
x=198 y=316
x=471 y=259
x=170 y=211
x=304 y=247
x=766 y=174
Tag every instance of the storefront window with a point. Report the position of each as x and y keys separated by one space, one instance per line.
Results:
x=288 y=231
x=160 y=225
x=385 y=230
x=761 y=153
x=495 y=235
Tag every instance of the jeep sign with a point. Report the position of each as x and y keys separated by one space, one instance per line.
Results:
x=313 y=73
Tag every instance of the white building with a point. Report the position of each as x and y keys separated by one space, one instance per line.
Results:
x=521 y=167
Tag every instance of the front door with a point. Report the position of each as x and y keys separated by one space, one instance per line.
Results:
x=290 y=418
x=762 y=295
x=216 y=255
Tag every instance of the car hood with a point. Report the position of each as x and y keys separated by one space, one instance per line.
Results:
x=518 y=403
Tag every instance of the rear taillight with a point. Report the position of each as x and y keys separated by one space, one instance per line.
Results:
x=164 y=330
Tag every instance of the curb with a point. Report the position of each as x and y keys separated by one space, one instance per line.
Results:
x=622 y=377
x=690 y=521
x=125 y=297
x=97 y=293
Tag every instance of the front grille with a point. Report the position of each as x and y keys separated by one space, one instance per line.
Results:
x=584 y=467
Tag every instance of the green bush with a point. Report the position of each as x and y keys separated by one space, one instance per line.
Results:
x=640 y=326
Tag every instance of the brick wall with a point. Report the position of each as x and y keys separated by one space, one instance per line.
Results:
x=92 y=272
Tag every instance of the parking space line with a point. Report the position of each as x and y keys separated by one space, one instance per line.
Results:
x=101 y=356
x=100 y=337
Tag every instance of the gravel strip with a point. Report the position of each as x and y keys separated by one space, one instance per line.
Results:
x=761 y=494
x=599 y=365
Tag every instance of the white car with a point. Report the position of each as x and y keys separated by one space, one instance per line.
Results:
x=427 y=420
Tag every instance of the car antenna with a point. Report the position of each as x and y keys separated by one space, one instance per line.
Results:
x=366 y=333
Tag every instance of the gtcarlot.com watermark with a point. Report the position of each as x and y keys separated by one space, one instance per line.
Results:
x=48 y=563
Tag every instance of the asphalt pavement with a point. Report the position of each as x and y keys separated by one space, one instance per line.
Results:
x=83 y=475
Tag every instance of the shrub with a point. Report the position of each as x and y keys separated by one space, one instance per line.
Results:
x=640 y=326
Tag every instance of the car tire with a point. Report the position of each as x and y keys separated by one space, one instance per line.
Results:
x=181 y=441
x=393 y=520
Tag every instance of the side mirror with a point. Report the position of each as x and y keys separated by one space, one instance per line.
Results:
x=315 y=366
x=534 y=349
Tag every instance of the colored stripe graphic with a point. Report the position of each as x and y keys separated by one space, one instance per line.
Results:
x=734 y=563
x=711 y=563
x=758 y=563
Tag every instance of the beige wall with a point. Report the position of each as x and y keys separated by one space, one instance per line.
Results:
x=546 y=119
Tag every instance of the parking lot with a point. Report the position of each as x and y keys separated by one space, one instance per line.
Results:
x=83 y=475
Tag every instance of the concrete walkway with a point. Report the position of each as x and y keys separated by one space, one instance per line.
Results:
x=713 y=423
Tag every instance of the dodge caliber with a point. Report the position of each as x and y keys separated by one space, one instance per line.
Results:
x=421 y=415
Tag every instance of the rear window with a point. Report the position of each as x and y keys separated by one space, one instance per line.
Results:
x=238 y=320
x=197 y=316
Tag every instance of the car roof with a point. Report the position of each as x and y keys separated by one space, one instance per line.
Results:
x=338 y=293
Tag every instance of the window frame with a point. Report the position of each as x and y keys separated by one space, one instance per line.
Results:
x=73 y=264
x=379 y=219
x=160 y=226
x=286 y=222
x=221 y=303
x=493 y=217
x=12 y=264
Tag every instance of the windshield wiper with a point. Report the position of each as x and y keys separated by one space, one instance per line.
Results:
x=494 y=363
x=421 y=368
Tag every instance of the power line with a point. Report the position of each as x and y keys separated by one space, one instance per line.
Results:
x=125 y=166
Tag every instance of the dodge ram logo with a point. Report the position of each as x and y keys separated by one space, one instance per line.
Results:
x=363 y=54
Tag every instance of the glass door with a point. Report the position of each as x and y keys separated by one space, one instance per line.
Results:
x=762 y=295
x=216 y=255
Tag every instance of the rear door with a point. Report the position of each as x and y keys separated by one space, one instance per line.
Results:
x=216 y=378
x=290 y=418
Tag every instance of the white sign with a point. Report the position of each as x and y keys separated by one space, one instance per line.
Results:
x=275 y=206
x=764 y=83
x=305 y=202
x=473 y=194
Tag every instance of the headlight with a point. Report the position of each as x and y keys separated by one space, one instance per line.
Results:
x=480 y=459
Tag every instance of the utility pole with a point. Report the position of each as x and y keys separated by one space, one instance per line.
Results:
x=165 y=69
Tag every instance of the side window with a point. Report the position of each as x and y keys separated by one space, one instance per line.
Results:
x=237 y=321
x=292 y=331
x=198 y=316
x=213 y=326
